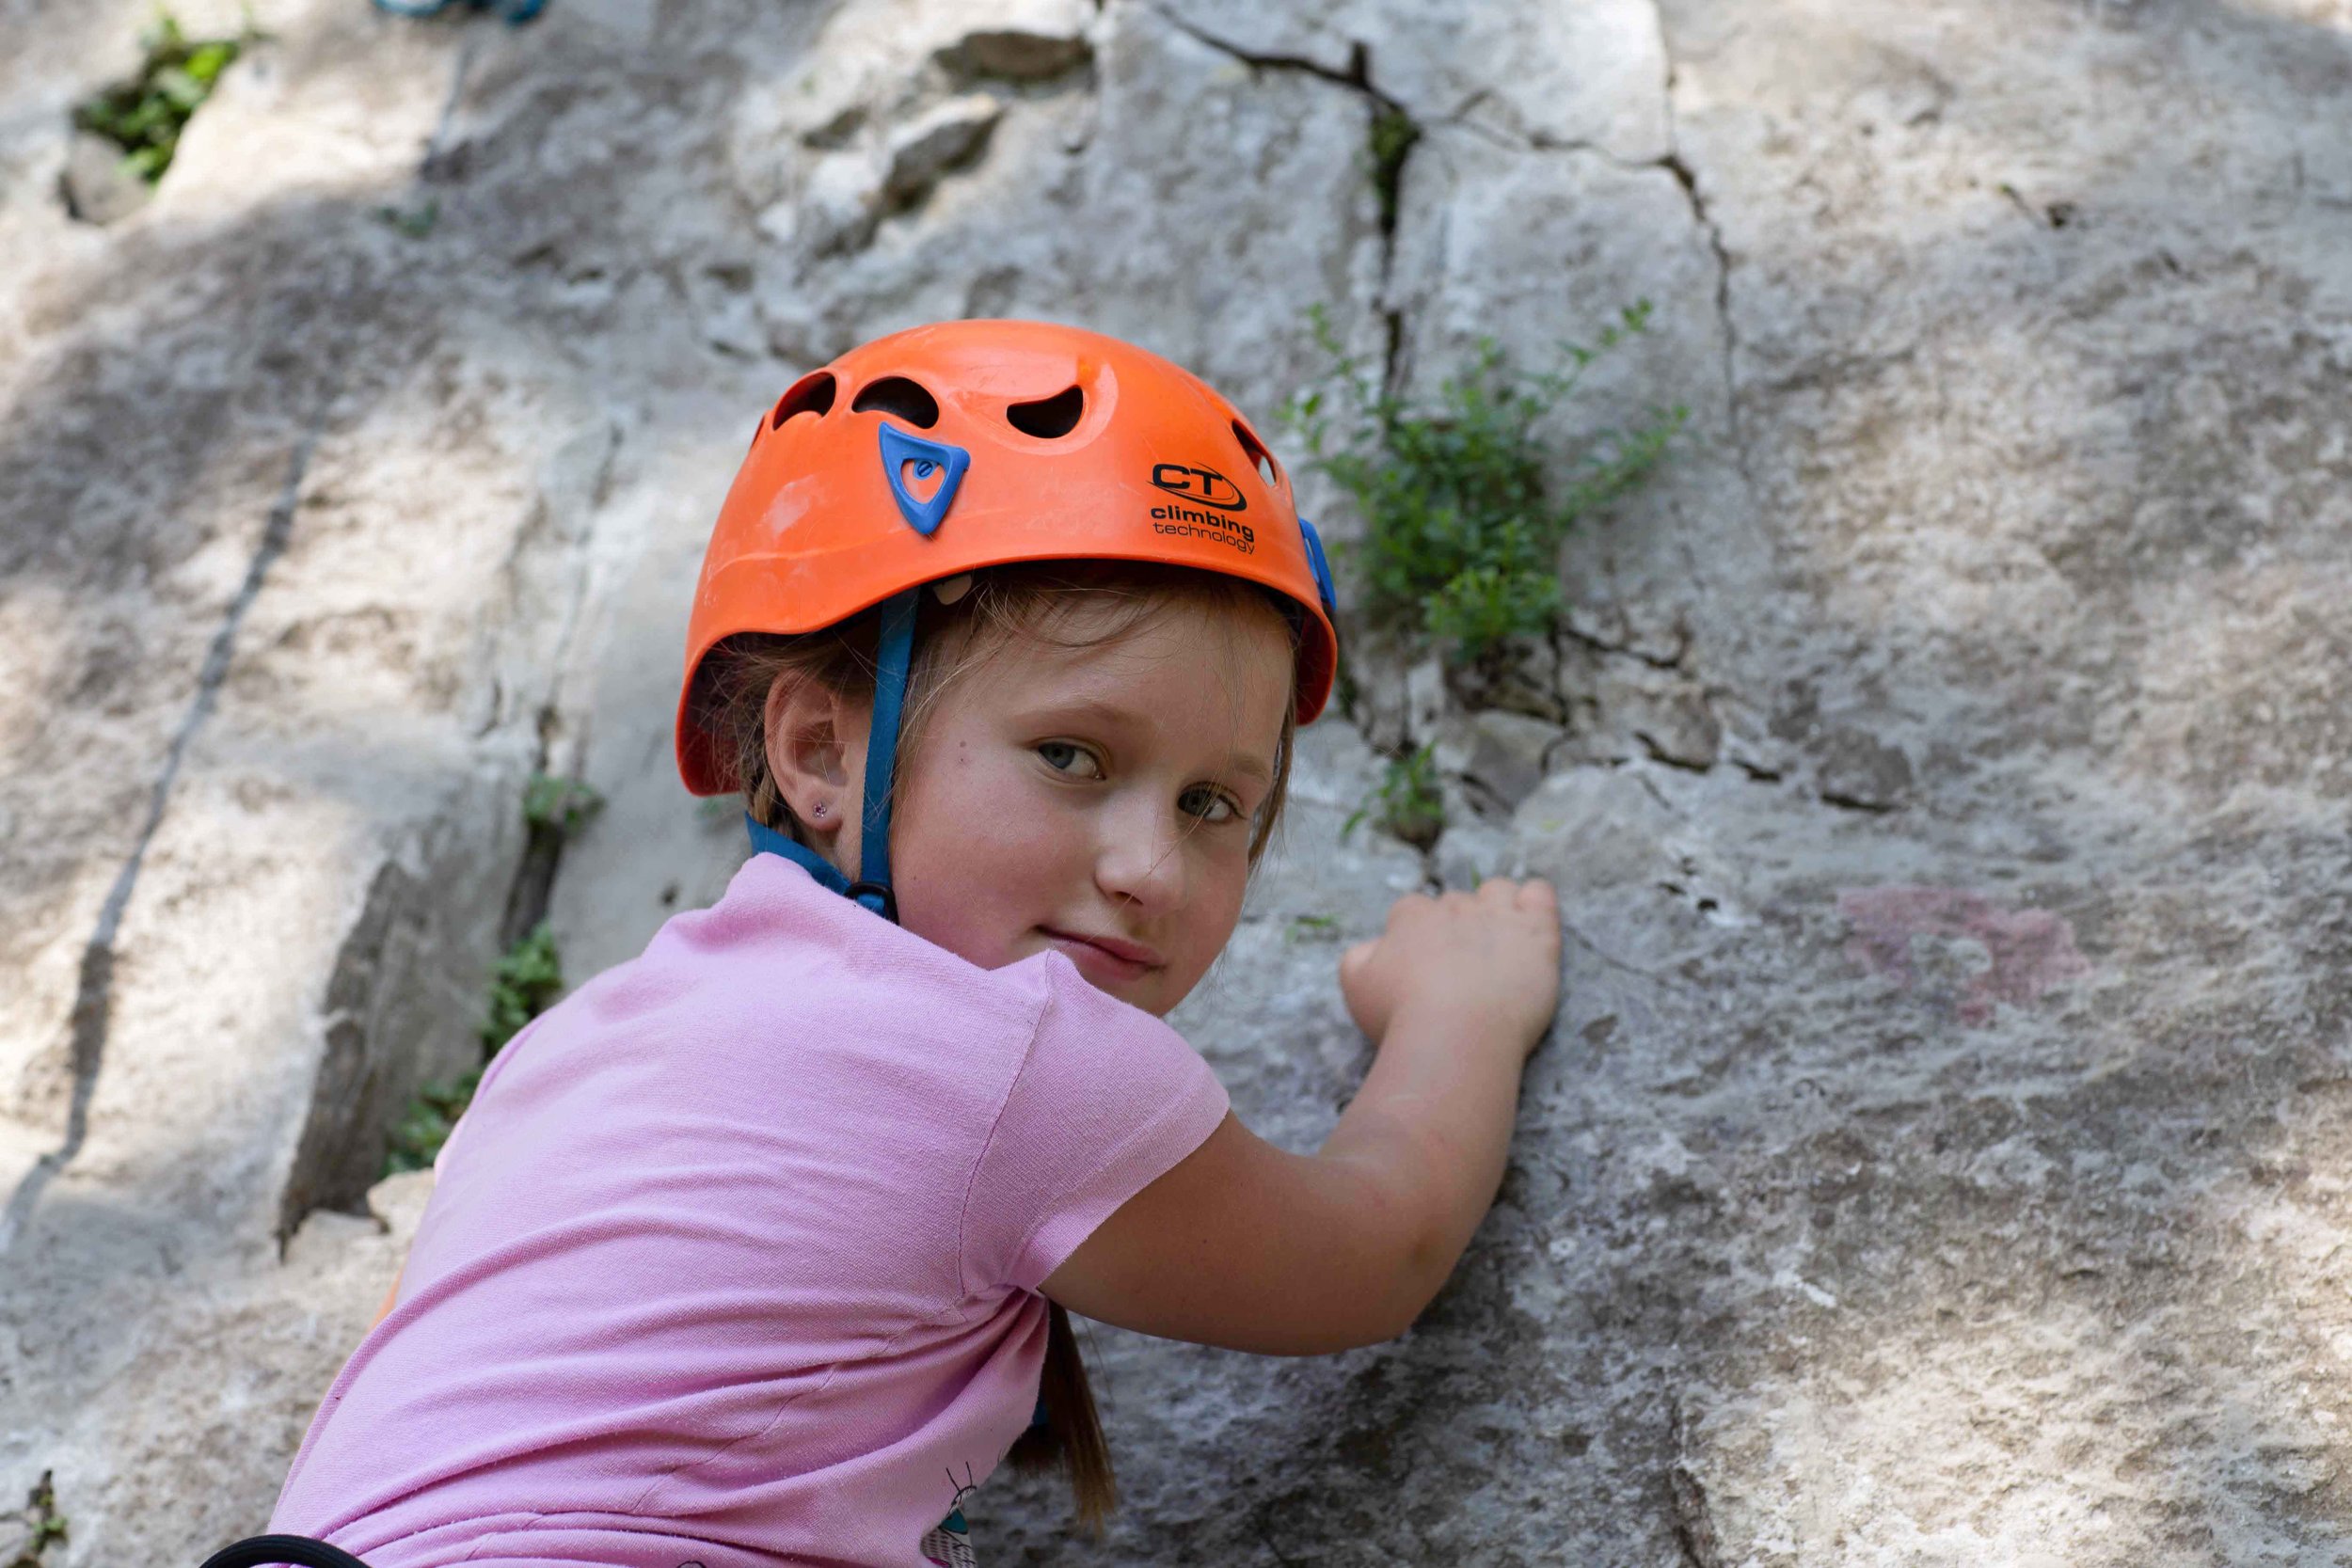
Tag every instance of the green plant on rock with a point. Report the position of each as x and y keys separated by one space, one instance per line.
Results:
x=417 y=1136
x=415 y=222
x=526 y=980
x=1405 y=801
x=145 y=114
x=564 y=804
x=1312 y=928
x=529 y=977
x=1463 y=507
x=40 y=1525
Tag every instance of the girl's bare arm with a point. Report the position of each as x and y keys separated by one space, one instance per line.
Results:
x=1244 y=1245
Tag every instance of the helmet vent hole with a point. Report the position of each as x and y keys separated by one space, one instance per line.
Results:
x=1049 y=419
x=811 y=394
x=896 y=394
x=1255 y=451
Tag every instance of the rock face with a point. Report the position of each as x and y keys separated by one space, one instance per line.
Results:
x=95 y=185
x=1939 y=1159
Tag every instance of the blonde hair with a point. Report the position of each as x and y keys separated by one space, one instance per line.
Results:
x=1033 y=599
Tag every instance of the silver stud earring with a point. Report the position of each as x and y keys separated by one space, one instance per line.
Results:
x=817 y=812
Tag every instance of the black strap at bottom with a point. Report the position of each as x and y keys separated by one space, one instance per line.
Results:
x=300 y=1550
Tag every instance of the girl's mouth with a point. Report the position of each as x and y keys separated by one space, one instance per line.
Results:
x=1105 y=957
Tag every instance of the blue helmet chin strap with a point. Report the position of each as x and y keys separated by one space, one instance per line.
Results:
x=893 y=659
x=908 y=460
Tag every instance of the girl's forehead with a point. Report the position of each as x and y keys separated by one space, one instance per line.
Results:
x=1188 y=664
x=1196 y=615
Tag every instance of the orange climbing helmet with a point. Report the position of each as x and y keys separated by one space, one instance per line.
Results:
x=968 y=444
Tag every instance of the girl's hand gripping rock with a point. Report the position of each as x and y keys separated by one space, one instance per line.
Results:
x=1248 y=1245
x=1489 y=958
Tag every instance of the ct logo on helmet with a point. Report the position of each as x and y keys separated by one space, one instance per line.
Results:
x=1204 y=485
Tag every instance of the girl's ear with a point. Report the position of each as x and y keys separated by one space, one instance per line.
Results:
x=815 y=739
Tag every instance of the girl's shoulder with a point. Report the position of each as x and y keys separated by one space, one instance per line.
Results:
x=774 y=1042
x=777 y=935
x=782 y=983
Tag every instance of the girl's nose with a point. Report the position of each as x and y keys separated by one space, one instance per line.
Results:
x=1142 y=856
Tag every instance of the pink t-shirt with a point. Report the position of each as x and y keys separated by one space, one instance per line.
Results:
x=734 y=1259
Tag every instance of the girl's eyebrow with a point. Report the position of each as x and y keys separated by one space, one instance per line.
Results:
x=1097 y=710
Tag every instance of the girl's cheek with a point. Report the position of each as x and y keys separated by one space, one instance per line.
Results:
x=1220 y=883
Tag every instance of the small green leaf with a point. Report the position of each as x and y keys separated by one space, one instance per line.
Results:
x=1407 y=800
x=564 y=804
x=182 y=90
x=417 y=1137
x=145 y=116
x=208 y=60
x=1312 y=928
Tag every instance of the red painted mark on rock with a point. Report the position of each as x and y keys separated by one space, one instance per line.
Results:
x=2031 y=949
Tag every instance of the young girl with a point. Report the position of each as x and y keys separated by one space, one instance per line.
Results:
x=756 y=1249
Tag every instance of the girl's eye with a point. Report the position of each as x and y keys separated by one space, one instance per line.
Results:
x=1065 y=756
x=1208 y=804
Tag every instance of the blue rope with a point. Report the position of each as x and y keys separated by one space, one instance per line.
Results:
x=515 y=12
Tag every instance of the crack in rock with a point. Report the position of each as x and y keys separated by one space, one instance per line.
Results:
x=1675 y=661
x=1684 y=175
x=1688 y=179
x=1357 y=75
x=1694 y=1529
x=93 y=996
x=1693 y=1520
x=1395 y=134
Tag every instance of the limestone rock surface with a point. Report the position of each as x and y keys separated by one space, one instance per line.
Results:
x=96 y=187
x=1940 y=1157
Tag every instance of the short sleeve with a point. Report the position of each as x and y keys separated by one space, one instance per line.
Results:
x=1107 y=1100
